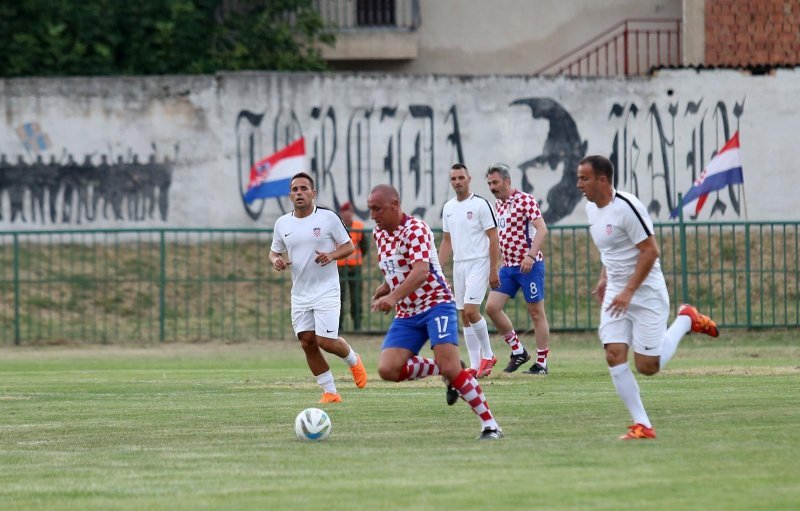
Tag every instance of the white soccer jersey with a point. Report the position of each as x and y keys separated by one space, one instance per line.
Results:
x=467 y=222
x=313 y=286
x=616 y=230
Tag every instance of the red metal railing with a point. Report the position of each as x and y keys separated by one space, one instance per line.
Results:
x=632 y=47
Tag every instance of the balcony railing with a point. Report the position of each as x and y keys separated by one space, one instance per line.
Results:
x=356 y=15
x=632 y=47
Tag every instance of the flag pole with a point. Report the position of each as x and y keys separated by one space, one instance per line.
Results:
x=744 y=203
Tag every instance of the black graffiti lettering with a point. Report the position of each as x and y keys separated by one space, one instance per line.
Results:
x=248 y=144
x=415 y=163
x=664 y=165
x=454 y=137
x=359 y=149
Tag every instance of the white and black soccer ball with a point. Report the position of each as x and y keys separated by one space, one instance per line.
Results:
x=313 y=425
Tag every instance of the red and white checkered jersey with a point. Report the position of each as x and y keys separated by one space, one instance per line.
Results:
x=398 y=250
x=515 y=216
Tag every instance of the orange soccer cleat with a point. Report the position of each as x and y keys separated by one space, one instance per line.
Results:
x=359 y=374
x=327 y=397
x=638 y=432
x=487 y=364
x=700 y=322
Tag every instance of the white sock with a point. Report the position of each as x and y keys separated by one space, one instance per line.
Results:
x=473 y=347
x=680 y=327
x=481 y=330
x=628 y=390
x=325 y=380
x=351 y=358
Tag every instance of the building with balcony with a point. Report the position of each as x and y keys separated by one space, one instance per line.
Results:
x=577 y=37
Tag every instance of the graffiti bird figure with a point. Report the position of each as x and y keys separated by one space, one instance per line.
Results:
x=563 y=146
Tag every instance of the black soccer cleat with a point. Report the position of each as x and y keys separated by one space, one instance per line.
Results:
x=516 y=361
x=491 y=434
x=537 y=368
x=452 y=395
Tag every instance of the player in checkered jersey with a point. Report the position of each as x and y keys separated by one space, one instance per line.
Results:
x=416 y=289
x=311 y=239
x=522 y=233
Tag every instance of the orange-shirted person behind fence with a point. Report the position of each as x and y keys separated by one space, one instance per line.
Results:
x=350 y=267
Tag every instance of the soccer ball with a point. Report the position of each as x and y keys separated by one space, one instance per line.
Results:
x=313 y=424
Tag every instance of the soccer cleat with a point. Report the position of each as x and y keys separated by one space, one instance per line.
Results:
x=638 y=432
x=485 y=369
x=359 y=374
x=452 y=395
x=537 y=368
x=472 y=372
x=491 y=434
x=327 y=397
x=700 y=322
x=516 y=361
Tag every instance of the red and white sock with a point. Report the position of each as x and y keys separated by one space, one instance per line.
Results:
x=513 y=342
x=471 y=392
x=541 y=356
x=419 y=367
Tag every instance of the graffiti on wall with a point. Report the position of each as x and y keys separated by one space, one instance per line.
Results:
x=658 y=152
x=408 y=143
x=60 y=190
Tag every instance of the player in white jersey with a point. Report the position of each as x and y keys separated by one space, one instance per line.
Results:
x=470 y=235
x=632 y=290
x=308 y=240
x=415 y=288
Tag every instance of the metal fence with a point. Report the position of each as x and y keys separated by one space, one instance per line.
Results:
x=200 y=284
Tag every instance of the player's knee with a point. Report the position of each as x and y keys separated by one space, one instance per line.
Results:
x=388 y=373
x=647 y=368
x=492 y=309
x=615 y=358
x=308 y=342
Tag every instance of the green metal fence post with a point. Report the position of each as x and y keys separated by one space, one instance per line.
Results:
x=17 y=336
x=747 y=285
x=162 y=286
x=684 y=268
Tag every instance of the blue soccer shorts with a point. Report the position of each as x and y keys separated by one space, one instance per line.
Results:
x=439 y=324
x=531 y=283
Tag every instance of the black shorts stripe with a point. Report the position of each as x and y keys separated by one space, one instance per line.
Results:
x=636 y=212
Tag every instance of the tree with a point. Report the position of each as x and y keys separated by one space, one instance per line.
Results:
x=102 y=37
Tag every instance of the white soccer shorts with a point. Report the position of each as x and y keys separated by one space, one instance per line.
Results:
x=324 y=322
x=642 y=326
x=470 y=281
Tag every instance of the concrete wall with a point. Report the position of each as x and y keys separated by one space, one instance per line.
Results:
x=176 y=151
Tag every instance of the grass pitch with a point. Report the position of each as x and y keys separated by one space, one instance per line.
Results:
x=190 y=427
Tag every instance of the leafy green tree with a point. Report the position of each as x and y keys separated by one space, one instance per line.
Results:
x=271 y=34
x=102 y=37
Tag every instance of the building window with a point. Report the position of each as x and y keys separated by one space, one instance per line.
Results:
x=375 y=13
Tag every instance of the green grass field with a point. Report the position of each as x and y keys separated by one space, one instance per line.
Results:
x=210 y=426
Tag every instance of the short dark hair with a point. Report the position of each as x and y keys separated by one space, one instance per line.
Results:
x=600 y=165
x=302 y=175
x=460 y=166
x=500 y=168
